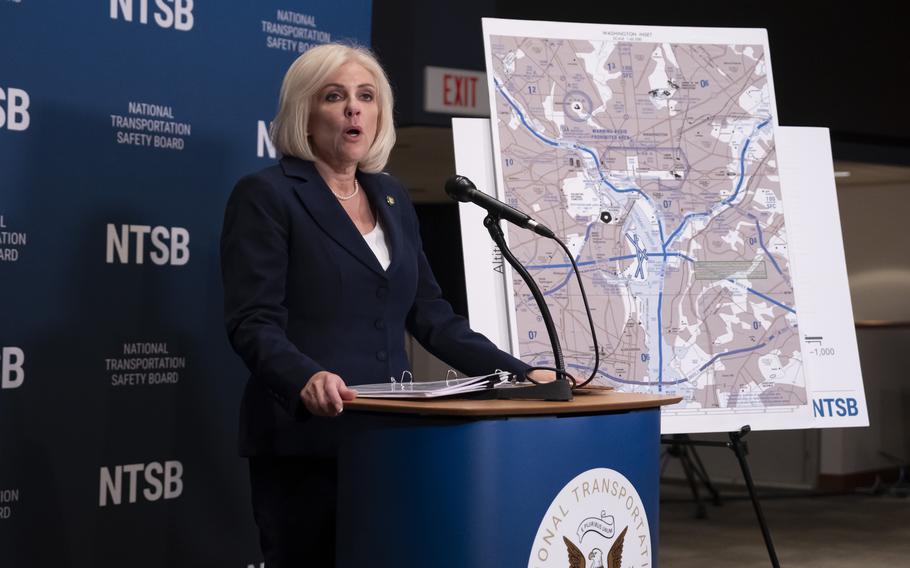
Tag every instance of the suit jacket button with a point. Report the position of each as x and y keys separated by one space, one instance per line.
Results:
x=381 y=355
x=380 y=324
x=382 y=292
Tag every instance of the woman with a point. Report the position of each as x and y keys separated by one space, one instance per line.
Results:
x=323 y=273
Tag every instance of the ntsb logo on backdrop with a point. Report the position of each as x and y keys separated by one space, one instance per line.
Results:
x=167 y=245
x=158 y=481
x=177 y=14
x=14 y=113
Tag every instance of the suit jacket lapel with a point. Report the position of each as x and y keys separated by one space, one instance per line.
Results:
x=327 y=212
x=388 y=209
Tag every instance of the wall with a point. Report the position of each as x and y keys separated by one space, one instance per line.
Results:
x=874 y=219
x=124 y=124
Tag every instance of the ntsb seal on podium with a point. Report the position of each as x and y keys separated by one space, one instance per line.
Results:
x=597 y=520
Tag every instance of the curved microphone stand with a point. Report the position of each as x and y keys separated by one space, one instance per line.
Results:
x=560 y=389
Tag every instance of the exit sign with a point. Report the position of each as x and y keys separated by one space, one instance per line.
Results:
x=455 y=91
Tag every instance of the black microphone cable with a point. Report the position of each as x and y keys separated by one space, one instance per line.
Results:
x=584 y=298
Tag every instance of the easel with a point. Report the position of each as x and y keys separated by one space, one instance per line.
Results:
x=900 y=487
x=682 y=446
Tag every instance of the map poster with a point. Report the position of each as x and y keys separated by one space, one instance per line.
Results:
x=651 y=152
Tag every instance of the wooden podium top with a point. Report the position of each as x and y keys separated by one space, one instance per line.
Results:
x=586 y=403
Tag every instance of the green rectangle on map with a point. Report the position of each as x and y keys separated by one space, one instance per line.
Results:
x=735 y=269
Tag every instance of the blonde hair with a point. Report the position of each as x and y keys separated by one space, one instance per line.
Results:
x=302 y=82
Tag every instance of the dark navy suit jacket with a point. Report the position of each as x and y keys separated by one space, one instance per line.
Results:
x=304 y=293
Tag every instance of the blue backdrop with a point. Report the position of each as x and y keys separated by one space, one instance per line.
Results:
x=123 y=127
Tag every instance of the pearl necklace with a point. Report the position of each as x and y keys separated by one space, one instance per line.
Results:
x=346 y=197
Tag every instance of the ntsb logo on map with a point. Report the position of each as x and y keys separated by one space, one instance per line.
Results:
x=835 y=407
x=596 y=521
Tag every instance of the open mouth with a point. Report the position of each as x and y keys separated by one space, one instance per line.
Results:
x=353 y=132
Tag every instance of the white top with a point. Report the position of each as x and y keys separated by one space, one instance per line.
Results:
x=377 y=242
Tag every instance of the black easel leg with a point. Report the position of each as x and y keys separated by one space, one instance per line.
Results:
x=682 y=451
x=739 y=448
x=702 y=474
x=664 y=461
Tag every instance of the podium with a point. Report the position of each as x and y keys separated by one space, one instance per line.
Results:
x=471 y=483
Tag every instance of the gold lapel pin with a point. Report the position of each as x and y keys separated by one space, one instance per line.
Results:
x=390 y=200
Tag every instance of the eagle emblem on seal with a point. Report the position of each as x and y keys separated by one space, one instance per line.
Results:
x=614 y=557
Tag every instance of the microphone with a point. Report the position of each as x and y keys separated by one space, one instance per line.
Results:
x=462 y=189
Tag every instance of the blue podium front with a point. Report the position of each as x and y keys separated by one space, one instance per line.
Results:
x=501 y=489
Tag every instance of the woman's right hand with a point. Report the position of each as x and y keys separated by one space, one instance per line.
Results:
x=325 y=393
